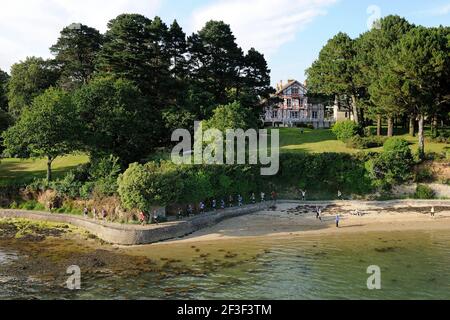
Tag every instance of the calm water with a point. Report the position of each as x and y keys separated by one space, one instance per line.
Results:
x=414 y=265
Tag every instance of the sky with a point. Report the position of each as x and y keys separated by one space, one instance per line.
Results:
x=290 y=33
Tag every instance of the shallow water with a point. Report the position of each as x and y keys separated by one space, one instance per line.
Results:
x=414 y=265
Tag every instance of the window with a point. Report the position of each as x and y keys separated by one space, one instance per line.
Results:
x=289 y=103
x=294 y=115
x=275 y=114
x=314 y=115
x=294 y=90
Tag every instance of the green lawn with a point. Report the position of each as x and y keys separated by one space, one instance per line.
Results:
x=22 y=171
x=323 y=140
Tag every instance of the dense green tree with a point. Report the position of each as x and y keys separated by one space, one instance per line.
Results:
x=116 y=119
x=48 y=128
x=215 y=59
x=75 y=53
x=133 y=50
x=29 y=79
x=334 y=72
x=373 y=51
x=422 y=62
x=4 y=78
x=176 y=49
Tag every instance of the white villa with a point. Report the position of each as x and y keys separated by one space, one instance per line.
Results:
x=294 y=109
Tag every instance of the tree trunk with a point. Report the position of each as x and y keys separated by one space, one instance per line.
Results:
x=49 y=169
x=355 y=110
x=379 y=125
x=412 y=124
x=421 y=137
x=390 y=132
x=434 y=126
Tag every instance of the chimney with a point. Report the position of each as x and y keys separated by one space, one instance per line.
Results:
x=290 y=81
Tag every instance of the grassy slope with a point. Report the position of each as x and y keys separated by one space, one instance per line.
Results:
x=20 y=171
x=323 y=140
x=291 y=140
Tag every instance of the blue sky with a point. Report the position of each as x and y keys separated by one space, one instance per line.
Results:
x=289 y=32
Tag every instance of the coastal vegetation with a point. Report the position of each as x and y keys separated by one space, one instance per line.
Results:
x=93 y=124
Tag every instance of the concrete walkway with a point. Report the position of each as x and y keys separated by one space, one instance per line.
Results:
x=124 y=234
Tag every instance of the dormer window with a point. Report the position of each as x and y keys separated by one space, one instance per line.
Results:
x=294 y=91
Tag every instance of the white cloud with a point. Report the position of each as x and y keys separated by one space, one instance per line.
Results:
x=263 y=24
x=30 y=27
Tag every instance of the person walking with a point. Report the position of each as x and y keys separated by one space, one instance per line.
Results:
x=214 y=205
x=303 y=195
x=202 y=207
x=240 y=200
x=222 y=204
x=94 y=213
x=142 y=217
x=338 y=219
x=155 y=217
x=253 y=198
x=339 y=195
x=190 y=210
x=104 y=214
x=230 y=201
x=432 y=211
x=85 y=212
x=274 y=197
x=263 y=197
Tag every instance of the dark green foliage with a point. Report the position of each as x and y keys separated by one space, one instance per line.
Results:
x=116 y=119
x=424 y=192
x=75 y=53
x=358 y=142
x=345 y=130
x=393 y=165
x=29 y=79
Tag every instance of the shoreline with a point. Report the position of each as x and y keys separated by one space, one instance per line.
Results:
x=287 y=222
x=290 y=218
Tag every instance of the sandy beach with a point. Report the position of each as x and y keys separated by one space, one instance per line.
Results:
x=291 y=219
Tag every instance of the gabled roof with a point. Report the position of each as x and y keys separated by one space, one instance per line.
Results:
x=287 y=85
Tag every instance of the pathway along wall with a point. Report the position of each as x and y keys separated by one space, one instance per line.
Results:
x=133 y=234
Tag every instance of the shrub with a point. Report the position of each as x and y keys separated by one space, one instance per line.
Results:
x=344 y=130
x=424 y=192
x=393 y=165
x=358 y=142
x=423 y=175
x=103 y=176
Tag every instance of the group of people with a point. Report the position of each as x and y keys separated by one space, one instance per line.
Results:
x=222 y=204
x=103 y=215
x=303 y=194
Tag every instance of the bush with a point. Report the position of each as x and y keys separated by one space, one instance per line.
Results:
x=103 y=176
x=424 y=175
x=358 y=142
x=344 y=130
x=424 y=192
x=393 y=165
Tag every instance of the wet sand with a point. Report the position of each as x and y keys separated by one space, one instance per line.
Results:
x=294 y=220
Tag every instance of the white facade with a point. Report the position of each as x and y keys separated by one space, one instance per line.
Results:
x=294 y=108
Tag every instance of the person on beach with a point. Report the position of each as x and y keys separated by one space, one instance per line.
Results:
x=142 y=217
x=214 y=205
x=263 y=197
x=104 y=214
x=240 y=200
x=320 y=214
x=274 y=197
x=202 y=207
x=339 y=195
x=222 y=204
x=230 y=201
x=85 y=212
x=317 y=212
x=303 y=195
x=190 y=210
x=180 y=214
x=94 y=213
x=155 y=217
x=338 y=219
x=432 y=211
x=253 y=198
